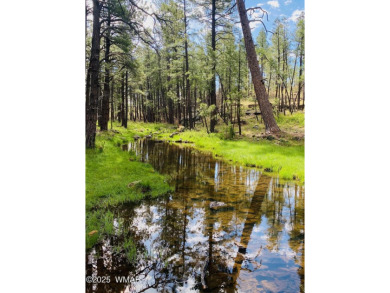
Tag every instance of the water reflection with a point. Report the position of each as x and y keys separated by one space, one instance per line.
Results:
x=255 y=243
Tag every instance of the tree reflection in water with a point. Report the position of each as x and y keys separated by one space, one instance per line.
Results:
x=253 y=244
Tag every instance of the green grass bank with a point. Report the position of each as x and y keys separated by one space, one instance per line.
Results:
x=283 y=156
x=114 y=177
x=283 y=159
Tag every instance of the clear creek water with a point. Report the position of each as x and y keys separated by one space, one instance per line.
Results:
x=253 y=243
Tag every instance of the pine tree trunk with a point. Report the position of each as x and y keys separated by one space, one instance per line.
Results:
x=106 y=91
x=188 y=90
x=270 y=79
x=283 y=87
x=112 y=102
x=238 y=90
x=88 y=88
x=119 y=107
x=126 y=101
x=213 y=94
x=300 y=73
x=170 y=101
x=195 y=91
x=260 y=91
x=123 y=100
x=135 y=107
x=178 y=100
x=278 y=74
x=92 y=102
x=292 y=107
x=230 y=88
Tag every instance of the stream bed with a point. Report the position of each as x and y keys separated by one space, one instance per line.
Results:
x=225 y=228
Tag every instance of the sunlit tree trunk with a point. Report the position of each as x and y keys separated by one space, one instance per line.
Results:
x=187 y=90
x=300 y=72
x=260 y=91
x=278 y=90
x=213 y=94
x=238 y=90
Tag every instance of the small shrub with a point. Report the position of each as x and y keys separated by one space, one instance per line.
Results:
x=227 y=132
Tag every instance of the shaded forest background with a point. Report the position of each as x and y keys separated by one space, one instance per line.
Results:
x=149 y=63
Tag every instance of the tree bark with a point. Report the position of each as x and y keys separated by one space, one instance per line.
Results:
x=112 y=102
x=238 y=90
x=260 y=90
x=123 y=100
x=92 y=102
x=126 y=100
x=88 y=88
x=170 y=101
x=270 y=79
x=300 y=72
x=106 y=91
x=178 y=99
x=188 y=90
x=213 y=94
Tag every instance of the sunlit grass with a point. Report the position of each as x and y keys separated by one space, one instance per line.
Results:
x=285 y=157
x=295 y=120
x=287 y=161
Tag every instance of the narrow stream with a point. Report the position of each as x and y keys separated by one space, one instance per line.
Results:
x=254 y=243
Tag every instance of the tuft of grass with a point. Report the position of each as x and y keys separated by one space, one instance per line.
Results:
x=108 y=223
